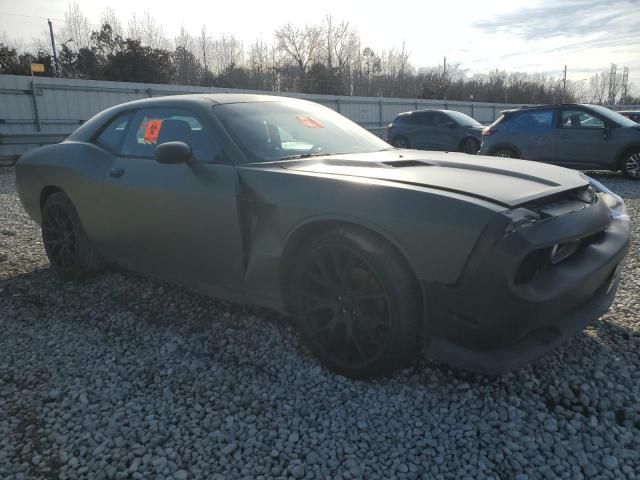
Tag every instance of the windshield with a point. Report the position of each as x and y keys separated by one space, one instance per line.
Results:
x=463 y=120
x=268 y=131
x=613 y=116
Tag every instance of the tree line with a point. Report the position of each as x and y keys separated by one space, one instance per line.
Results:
x=327 y=58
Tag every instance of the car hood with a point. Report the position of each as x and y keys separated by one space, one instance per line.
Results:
x=508 y=182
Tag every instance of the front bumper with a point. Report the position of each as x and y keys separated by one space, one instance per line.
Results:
x=489 y=323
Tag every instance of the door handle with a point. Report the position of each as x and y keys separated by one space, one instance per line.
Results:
x=116 y=172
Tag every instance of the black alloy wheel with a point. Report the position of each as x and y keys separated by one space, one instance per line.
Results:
x=357 y=303
x=345 y=306
x=59 y=238
x=69 y=251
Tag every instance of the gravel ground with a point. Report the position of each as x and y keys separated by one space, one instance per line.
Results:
x=120 y=376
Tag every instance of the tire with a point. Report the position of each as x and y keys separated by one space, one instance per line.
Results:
x=630 y=164
x=357 y=304
x=470 y=146
x=70 y=253
x=401 y=142
x=505 y=153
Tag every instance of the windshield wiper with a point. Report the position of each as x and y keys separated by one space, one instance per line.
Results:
x=306 y=155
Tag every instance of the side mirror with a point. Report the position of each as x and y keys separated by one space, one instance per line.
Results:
x=606 y=132
x=173 y=152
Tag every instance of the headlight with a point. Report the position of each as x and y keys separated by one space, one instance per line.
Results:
x=613 y=201
x=520 y=218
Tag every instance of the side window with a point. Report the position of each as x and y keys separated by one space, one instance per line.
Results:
x=580 y=119
x=542 y=120
x=113 y=135
x=154 y=126
x=440 y=119
x=532 y=121
x=422 y=118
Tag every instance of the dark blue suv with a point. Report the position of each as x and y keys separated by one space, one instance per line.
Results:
x=574 y=136
x=446 y=130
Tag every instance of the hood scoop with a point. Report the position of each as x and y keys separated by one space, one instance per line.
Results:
x=407 y=163
x=506 y=182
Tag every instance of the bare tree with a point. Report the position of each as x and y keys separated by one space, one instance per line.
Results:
x=110 y=18
x=228 y=52
x=340 y=44
x=261 y=65
x=134 y=28
x=185 y=40
x=300 y=44
x=76 y=28
x=152 y=33
x=598 y=87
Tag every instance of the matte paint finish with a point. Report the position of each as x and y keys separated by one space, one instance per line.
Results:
x=213 y=226
x=226 y=229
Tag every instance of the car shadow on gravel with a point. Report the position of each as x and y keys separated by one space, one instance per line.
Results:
x=161 y=304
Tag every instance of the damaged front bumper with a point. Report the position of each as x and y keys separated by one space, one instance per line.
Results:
x=536 y=277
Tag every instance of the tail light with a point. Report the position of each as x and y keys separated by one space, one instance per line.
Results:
x=487 y=132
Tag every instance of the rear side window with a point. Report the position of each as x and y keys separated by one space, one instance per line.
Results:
x=112 y=135
x=152 y=126
x=421 y=118
x=440 y=119
x=532 y=121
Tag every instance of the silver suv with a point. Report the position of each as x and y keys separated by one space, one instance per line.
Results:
x=574 y=136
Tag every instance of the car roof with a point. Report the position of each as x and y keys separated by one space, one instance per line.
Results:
x=91 y=126
x=544 y=107
x=410 y=112
x=216 y=98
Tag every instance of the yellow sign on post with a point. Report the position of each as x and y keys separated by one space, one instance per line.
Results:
x=37 y=68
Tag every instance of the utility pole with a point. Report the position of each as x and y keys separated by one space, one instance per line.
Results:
x=564 y=85
x=444 y=67
x=53 y=48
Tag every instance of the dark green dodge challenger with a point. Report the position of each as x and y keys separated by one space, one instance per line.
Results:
x=375 y=251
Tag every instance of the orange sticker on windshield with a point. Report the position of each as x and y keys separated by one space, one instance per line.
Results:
x=309 y=122
x=152 y=131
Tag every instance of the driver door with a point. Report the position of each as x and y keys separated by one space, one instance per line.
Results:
x=174 y=221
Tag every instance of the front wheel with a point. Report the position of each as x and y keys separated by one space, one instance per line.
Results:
x=401 y=142
x=470 y=146
x=357 y=303
x=630 y=165
x=69 y=251
x=505 y=153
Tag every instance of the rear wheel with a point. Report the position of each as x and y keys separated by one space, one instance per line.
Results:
x=69 y=251
x=505 y=153
x=401 y=142
x=357 y=304
x=470 y=146
x=630 y=165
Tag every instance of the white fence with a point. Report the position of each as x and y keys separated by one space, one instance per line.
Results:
x=59 y=105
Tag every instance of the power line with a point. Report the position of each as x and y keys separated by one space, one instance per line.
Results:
x=30 y=16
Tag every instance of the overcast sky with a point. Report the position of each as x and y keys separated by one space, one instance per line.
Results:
x=529 y=35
